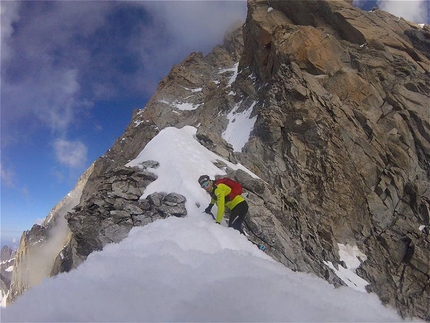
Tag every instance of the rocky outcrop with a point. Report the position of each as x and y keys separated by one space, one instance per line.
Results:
x=341 y=143
x=112 y=211
x=6 y=253
x=29 y=255
x=7 y=262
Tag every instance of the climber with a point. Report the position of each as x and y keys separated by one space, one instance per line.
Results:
x=226 y=193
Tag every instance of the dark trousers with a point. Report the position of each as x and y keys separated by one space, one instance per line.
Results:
x=237 y=215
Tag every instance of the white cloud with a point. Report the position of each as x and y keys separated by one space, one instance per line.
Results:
x=201 y=23
x=43 y=57
x=7 y=176
x=61 y=105
x=71 y=153
x=412 y=10
x=359 y=3
x=187 y=26
x=50 y=98
x=9 y=14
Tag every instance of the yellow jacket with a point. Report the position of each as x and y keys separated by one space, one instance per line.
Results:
x=220 y=193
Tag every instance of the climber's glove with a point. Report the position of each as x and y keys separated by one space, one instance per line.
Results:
x=209 y=208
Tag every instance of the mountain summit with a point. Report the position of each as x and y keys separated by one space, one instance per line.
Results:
x=321 y=111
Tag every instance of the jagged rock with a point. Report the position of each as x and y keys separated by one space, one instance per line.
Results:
x=34 y=262
x=174 y=199
x=133 y=209
x=168 y=205
x=7 y=261
x=144 y=204
x=156 y=198
x=167 y=210
x=111 y=213
x=27 y=257
x=116 y=233
x=6 y=253
x=216 y=144
x=148 y=164
x=126 y=190
x=250 y=183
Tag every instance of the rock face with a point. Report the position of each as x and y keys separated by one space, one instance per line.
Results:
x=7 y=262
x=341 y=142
x=29 y=255
x=40 y=246
x=345 y=112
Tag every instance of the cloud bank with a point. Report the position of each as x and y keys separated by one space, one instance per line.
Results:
x=71 y=153
x=412 y=10
x=416 y=11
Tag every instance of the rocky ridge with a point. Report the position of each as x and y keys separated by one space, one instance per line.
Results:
x=341 y=142
x=110 y=214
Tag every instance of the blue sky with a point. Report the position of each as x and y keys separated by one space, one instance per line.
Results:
x=72 y=72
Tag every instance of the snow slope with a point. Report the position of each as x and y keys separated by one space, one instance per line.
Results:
x=189 y=269
x=239 y=127
x=182 y=160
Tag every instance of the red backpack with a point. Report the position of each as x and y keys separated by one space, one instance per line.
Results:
x=236 y=188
